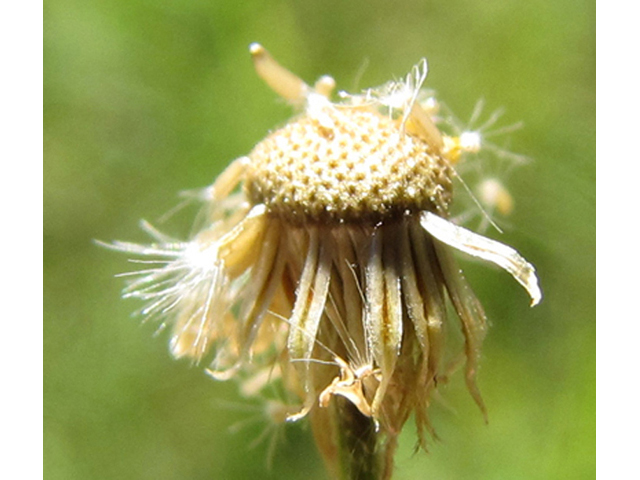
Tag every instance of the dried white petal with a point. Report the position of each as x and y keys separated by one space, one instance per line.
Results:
x=486 y=249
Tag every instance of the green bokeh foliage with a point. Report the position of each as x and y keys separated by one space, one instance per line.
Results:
x=146 y=98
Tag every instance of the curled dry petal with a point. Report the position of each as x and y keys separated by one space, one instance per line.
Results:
x=486 y=249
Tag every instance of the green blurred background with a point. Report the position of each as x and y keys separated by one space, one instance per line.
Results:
x=146 y=98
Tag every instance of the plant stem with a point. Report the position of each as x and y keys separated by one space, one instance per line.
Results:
x=348 y=441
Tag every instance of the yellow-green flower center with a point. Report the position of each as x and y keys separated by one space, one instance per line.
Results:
x=346 y=164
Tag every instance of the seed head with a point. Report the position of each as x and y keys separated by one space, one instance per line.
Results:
x=347 y=164
x=325 y=265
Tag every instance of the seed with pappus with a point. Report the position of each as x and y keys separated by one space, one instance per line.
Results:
x=325 y=266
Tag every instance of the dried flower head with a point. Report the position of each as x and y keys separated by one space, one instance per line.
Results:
x=326 y=265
